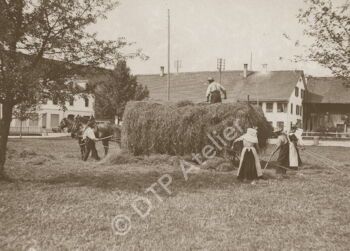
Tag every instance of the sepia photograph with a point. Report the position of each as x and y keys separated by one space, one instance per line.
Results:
x=174 y=125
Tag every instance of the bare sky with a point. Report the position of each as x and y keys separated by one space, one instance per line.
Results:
x=204 y=30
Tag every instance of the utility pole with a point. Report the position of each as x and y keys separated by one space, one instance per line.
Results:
x=168 y=54
x=177 y=65
x=251 y=61
x=220 y=66
x=257 y=94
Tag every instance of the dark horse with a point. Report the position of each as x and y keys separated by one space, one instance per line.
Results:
x=73 y=124
x=105 y=132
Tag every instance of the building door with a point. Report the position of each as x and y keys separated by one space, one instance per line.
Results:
x=43 y=120
x=55 y=120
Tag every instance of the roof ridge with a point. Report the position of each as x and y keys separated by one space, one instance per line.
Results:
x=223 y=72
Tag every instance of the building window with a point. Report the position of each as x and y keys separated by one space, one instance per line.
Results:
x=71 y=101
x=34 y=120
x=270 y=122
x=296 y=92
x=55 y=120
x=302 y=93
x=269 y=107
x=298 y=110
x=291 y=108
x=86 y=102
x=280 y=124
x=281 y=107
x=55 y=101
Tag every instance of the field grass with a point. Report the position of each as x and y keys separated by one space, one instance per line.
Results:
x=58 y=202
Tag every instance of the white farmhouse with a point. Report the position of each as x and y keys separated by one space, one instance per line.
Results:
x=280 y=95
x=49 y=114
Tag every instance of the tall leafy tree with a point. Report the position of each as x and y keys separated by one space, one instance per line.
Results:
x=329 y=28
x=113 y=93
x=43 y=45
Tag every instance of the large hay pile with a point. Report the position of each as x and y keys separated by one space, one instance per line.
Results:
x=150 y=127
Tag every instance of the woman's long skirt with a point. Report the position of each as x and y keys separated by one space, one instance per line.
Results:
x=289 y=157
x=248 y=168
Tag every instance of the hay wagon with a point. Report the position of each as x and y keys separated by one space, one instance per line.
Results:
x=170 y=128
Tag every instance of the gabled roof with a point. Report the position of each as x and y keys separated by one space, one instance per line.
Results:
x=270 y=86
x=327 y=90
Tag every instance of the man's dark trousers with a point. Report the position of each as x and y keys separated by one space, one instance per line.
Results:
x=90 y=146
x=215 y=97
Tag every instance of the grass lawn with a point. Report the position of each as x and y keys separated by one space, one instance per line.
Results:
x=58 y=202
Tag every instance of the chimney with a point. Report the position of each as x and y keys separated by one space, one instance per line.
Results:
x=264 y=66
x=245 y=70
x=162 y=71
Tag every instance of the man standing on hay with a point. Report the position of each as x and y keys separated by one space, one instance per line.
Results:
x=214 y=91
x=287 y=144
x=249 y=165
x=89 y=139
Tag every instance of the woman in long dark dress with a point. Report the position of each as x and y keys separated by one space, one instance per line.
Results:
x=289 y=156
x=249 y=166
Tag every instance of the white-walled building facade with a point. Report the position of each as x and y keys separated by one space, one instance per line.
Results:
x=285 y=113
x=48 y=114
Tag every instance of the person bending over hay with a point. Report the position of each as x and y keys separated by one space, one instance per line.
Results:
x=249 y=165
x=287 y=144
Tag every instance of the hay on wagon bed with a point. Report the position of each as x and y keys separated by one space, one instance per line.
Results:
x=167 y=128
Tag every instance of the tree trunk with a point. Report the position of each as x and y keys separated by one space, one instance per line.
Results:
x=5 y=130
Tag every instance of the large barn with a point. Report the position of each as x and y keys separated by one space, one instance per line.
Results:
x=327 y=105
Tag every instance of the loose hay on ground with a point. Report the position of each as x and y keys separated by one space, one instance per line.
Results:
x=64 y=207
x=121 y=156
x=118 y=157
x=38 y=160
x=217 y=164
x=27 y=153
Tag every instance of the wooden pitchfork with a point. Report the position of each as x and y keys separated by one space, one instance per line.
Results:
x=270 y=158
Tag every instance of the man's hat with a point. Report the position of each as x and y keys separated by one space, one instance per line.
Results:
x=84 y=120
x=210 y=79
